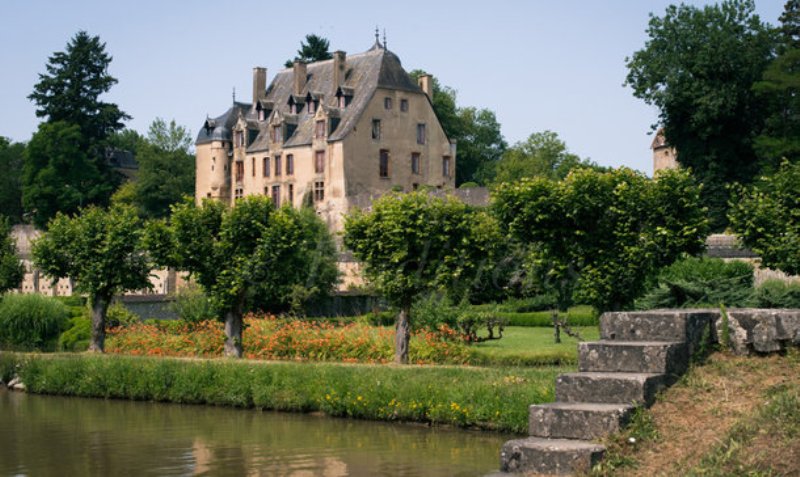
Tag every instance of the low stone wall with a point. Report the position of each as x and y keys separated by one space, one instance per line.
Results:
x=753 y=330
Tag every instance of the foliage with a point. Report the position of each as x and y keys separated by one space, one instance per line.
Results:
x=165 y=175
x=11 y=269
x=68 y=94
x=31 y=322
x=119 y=316
x=765 y=218
x=169 y=137
x=487 y=398
x=597 y=237
x=476 y=132
x=11 y=159
x=698 y=68
x=102 y=251
x=543 y=154
x=192 y=305
x=314 y=48
x=700 y=282
x=77 y=335
x=247 y=257
x=778 y=294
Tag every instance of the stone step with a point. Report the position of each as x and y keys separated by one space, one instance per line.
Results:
x=638 y=388
x=659 y=357
x=570 y=420
x=549 y=456
x=658 y=325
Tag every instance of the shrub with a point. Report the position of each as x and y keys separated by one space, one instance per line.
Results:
x=77 y=335
x=701 y=282
x=117 y=315
x=776 y=293
x=31 y=322
x=192 y=305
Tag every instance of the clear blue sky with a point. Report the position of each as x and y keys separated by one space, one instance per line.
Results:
x=557 y=65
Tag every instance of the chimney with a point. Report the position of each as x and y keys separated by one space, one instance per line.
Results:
x=259 y=84
x=339 y=58
x=299 y=77
x=425 y=83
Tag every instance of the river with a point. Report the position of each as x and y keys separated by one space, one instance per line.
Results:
x=64 y=436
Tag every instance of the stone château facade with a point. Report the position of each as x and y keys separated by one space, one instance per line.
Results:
x=334 y=133
x=664 y=155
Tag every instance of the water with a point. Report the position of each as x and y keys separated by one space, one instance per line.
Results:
x=62 y=436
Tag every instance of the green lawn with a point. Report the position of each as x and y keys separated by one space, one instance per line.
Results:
x=531 y=346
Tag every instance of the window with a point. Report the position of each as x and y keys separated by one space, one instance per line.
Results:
x=291 y=194
x=383 y=167
x=376 y=129
x=265 y=167
x=289 y=164
x=420 y=134
x=208 y=195
x=312 y=107
x=239 y=138
x=239 y=171
x=387 y=103
x=262 y=115
x=319 y=129
x=415 y=186
x=238 y=193
x=276 y=196
x=404 y=105
x=319 y=191
x=319 y=162
x=277 y=166
x=446 y=166
x=276 y=134
x=253 y=163
x=415 y=163
x=342 y=101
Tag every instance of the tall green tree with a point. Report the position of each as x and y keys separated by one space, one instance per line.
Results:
x=102 y=250
x=58 y=175
x=314 y=48
x=246 y=255
x=476 y=132
x=698 y=68
x=543 y=154
x=599 y=237
x=411 y=244
x=11 y=159
x=11 y=269
x=69 y=94
x=765 y=217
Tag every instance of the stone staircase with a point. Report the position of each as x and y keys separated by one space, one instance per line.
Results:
x=638 y=355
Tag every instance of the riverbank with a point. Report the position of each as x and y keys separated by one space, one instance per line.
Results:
x=483 y=398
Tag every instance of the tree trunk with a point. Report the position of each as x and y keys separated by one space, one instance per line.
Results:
x=233 y=330
x=402 y=335
x=556 y=327
x=99 y=309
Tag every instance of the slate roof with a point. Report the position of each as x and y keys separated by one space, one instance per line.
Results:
x=363 y=74
x=219 y=128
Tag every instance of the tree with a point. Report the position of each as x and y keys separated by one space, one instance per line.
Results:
x=169 y=137
x=764 y=216
x=315 y=48
x=698 y=68
x=69 y=94
x=11 y=269
x=102 y=250
x=543 y=154
x=250 y=253
x=58 y=175
x=476 y=132
x=414 y=243
x=598 y=237
x=11 y=158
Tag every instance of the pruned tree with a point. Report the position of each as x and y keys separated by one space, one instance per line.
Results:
x=102 y=250
x=415 y=243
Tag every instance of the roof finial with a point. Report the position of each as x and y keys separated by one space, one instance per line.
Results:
x=377 y=35
x=234 y=95
x=384 y=40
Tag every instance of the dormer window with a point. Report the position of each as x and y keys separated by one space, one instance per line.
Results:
x=343 y=97
x=342 y=102
x=239 y=139
x=312 y=107
x=276 y=134
x=319 y=129
x=262 y=115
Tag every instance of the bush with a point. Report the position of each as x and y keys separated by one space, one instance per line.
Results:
x=192 y=305
x=776 y=293
x=118 y=315
x=701 y=282
x=31 y=322
x=77 y=336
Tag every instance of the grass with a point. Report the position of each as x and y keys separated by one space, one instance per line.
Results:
x=485 y=398
x=531 y=346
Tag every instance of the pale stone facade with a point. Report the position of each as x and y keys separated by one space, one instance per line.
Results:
x=664 y=155
x=335 y=133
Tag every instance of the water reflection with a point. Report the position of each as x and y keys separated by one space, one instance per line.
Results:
x=47 y=435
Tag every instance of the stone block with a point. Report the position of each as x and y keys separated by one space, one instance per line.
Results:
x=761 y=330
x=610 y=388
x=658 y=357
x=549 y=456
x=561 y=420
x=690 y=326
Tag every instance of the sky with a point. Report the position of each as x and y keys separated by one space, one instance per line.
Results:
x=539 y=65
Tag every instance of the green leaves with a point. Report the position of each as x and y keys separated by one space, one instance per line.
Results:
x=11 y=270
